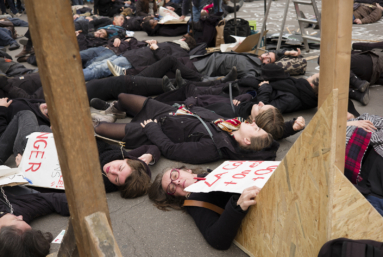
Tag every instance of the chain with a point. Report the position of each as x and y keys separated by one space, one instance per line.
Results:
x=6 y=200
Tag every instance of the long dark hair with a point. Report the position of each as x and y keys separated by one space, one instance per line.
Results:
x=137 y=184
x=146 y=6
x=161 y=199
x=32 y=243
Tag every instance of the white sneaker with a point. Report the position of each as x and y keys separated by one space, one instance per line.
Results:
x=116 y=70
x=97 y=118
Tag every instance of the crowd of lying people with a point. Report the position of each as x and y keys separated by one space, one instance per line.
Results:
x=186 y=105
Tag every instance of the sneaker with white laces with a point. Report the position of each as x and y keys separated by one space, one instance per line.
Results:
x=97 y=118
x=116 y=70
x=113 y=111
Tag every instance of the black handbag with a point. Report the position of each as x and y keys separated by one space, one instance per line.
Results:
x=243 y=30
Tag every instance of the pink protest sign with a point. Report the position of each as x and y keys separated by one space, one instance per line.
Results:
x=235 y=176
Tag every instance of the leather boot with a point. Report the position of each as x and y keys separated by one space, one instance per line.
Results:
x=363 y=98
x=358 y=84
x=24 y=52
x=167 y=85
x=180 y=82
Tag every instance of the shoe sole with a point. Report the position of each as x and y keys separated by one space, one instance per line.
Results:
x=364 y=87
x=366 y=98
x=117 y=115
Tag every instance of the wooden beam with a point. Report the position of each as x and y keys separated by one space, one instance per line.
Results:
x=291 y=217
x=102 y=241
x=335 y=54
x=58 y=58
x=68 y=247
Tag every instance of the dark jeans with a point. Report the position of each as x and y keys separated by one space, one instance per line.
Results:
x=13 y=140
x=376 y=202
x=11 y=4
x=6 y=37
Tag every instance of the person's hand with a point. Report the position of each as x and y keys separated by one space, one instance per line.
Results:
x=75 y=16
x=127 y=17
x=299 y=123
x=170 y=8
x=4 y=102
x=350 y=116
x=18 y=159
x=295 y=53
x=364 y=124
x=153 y=47
x=358 y=21
x=263 y=82
x=236 y=102
x=248 y=197
x=147 y=158
x=182 y=17
x=78 y=32
x=127 y=40
x=151 y=41
x=89 y=18
x=116 y=42
x=380 y=7
x=146 y=122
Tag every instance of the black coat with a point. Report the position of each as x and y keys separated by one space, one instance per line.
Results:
x=133 y=23
x=108 y=153
x=372 y=174
x=28 y=86
x=169 y=30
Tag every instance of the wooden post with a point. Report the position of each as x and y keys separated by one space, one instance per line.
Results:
x=335 y=63
x=59 y=62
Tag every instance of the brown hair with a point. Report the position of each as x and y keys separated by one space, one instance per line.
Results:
x=146 y=6
x=15 y=243
x=161 y=199
x=137 y=184
x=271 y=121
x=316 y=85
x=258 y=143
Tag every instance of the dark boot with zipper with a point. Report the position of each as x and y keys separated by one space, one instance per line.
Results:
x=358 y=84
x=363 y=98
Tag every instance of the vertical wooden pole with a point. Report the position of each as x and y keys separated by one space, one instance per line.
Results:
x=335 y=54
x=59 y=63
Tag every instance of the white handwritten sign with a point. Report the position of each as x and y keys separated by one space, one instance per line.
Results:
x=235 y=176
x=11 y=177
x=40 y=164
x=170 y=17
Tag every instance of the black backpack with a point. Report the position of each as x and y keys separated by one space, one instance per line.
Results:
x=343 y=247
x=243 y=30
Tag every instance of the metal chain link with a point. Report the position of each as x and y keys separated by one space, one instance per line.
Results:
x=6 y=200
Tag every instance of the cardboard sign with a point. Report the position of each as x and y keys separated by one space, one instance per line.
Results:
x=59 y=238
x=235 y=176
x=40 y=164
x=11 y=177
x=170 y=17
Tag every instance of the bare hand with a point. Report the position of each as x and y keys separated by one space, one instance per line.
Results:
x=18 y=159
x=75 y=16
x=358 y=21
x=146 y=122
x=78 y=32
x=4 y=102
x=295 y=53
x=151 y=41
x=364 y=124
x=299 y=123
x=147 y=158
x=170 y=8
x=182 y=17
x=153 y=47
x=248 y=197
x=350 y=116
x=263 y=82
x=236 y=102
x=116 y=42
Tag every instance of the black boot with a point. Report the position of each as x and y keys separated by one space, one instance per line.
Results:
x=180 y=82
x=358 y=84
x=363 y=98
x=231 y=76
x=167 y=85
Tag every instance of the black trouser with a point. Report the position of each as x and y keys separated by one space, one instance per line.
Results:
x=367 y=46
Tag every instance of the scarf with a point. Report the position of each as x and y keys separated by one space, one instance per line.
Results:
x=182 y=44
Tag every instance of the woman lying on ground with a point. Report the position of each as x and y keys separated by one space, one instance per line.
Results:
x=127 y=172
x=193 y=136
x=167 y=191
x=19 y=207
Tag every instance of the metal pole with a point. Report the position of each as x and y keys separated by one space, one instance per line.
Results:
x=263 y=27
x=283 y=24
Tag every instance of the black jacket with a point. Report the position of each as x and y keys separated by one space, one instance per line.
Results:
x=133 y=23
x=168 y=30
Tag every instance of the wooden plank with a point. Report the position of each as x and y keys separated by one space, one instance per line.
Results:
x=292 y=217
x=102 y=241
x=68 y=247
x=353 y=216
x=335 y=63
x=58 y=58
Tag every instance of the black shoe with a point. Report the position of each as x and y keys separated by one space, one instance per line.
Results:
x=167 y=85
x=231 y=76
x=363 y=98
x=99 y=104
x=14 y=46
x=179 y=80
x=358 y=84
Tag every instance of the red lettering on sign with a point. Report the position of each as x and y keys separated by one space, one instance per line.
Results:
x=60 y=183
x=258 y=178
x=232 y=165
x=231 y=182
x=37 y=153
x=43 y=135
x=266 y=171
x=242 y=174
x=32 y=167
x=255 y=164
x=38 y=146
x=218 y=176
x=53 y=183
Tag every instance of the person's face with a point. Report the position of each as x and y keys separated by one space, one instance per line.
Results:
x=312 y=78
x=16 y=221
x=258 y=108
x=44 y=109
x=249 y=131
x=119 y=20
x=117 y=171
x=179 y=180
x=267 y=58
x=100 y=33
